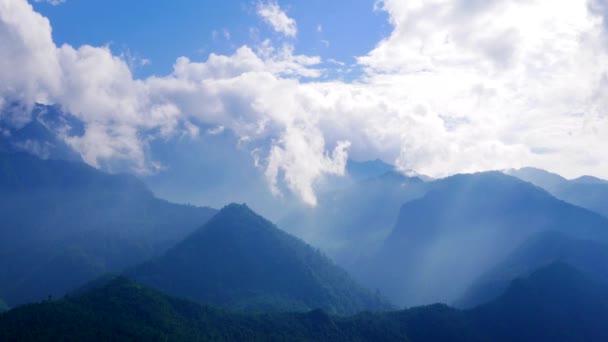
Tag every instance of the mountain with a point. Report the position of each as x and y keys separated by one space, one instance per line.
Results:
x=352 y=223
x=241 y=261
x=362 y=170
x=540 y=250
x=123 y=310
x=43 y=135
x=65 y=223
x=586 y=194
x=3 y=306
x=544 y=179
x=589 y=180
x=461 y=228
x=354 y=172
x=586 y=191
x=555 y=303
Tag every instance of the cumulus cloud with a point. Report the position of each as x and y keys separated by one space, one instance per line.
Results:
x=274 y=16
x=458 y=86
x=507 y=78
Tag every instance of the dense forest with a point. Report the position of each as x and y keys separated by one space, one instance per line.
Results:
x=123 y=310
x=241 y=261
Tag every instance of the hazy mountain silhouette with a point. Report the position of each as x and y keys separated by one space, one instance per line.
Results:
x=351 y=223
x=43 y=135
x=555 y=303
x=544 y=179
x=586 y=191
x=362 y=170
x=69 y=219
x=461 y=228
x=540 y=250
x=239 y=260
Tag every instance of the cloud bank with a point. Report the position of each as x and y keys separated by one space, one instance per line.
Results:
x=458 y=86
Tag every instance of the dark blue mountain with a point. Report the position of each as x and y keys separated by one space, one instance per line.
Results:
x=540 y=250
x=65 y=223
x=556 y=303
x=241 y=261
x=3 y=306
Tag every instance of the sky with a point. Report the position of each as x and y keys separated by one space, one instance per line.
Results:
x=435 y=86
x=156 y=33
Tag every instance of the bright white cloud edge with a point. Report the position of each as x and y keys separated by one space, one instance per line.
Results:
x=273 y=15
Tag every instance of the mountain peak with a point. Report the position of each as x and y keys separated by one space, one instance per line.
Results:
x=242 y=261
x=236 y=207
x=589 y=180
x=538 y=177
x=236 y=217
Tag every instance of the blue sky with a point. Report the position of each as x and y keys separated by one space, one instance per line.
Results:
x=161 y=31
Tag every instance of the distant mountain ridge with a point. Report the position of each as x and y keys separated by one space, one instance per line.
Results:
x=241 y=261
x=62 y=217
x=352 y=222
x=541 y=249
x=43 y=135
x=586 y=191
x=362 y=170
x=554 y=303
x=462 y=227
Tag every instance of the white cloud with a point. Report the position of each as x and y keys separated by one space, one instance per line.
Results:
x=458 y=86
x=515 y=74
x=274 y=16
x=28 y=64
x=52 y=2
x=215 y=34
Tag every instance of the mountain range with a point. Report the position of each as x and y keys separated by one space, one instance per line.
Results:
x=462 y=227
x=500 y=246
